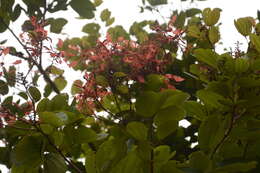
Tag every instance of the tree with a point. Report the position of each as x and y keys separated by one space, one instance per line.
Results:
x=123 y=117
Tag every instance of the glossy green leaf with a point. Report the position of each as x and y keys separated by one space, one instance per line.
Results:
x=28 y=152
x=210 y=98
x=214 y=35
x=196 y=110
x=147 y=104
x=53 y=162
x=84 y=135
x=56 y=119
x=138 y=130
x=55 y=70
x=211 y=17
x=207 y=56
x=255 y=41
x=241 y=65
x=60 y=82
x=57 y=25
x=35 y=93
x=76 y=87
x=91 y=28
x=84 y=8
x=244 y=25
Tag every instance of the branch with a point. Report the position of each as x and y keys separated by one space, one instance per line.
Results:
x=40 y=68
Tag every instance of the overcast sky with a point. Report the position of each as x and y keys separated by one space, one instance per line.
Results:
x=127 y=11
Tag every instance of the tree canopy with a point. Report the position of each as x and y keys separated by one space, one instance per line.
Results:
x=123 y=115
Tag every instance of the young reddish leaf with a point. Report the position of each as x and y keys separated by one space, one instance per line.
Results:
x=17 y=62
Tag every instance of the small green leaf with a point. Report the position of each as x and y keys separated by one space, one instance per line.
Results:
x=23 y=95
x=110 y=21
x=55 y=70
x=91 y=28
x=76 y=87
x=157 y=2
x=138 y=130
x=83 y=7
x=211 y=17
x=3 y=87
x=105 y=15
x=44 y=105
x=60 y=82
x=192 y=12
x=214 y=35
x=244 y=25
x=57 y=25
x=199 y=161
x=35 y=93
x=98 y=2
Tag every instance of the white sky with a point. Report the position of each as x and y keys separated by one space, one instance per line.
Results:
x=127 y=11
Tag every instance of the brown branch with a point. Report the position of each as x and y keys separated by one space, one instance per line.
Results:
x=39 y=66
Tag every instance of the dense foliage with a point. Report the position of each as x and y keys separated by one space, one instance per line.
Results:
x=123 y=115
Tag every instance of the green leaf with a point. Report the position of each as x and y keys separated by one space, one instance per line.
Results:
x=28 y=152
x=55 y=70
x=84 y=135
x=46 y=128
x=3 y=87
x=199 y=161
x=214 y=35
x=57 y=25
x=155 y=82
x=244 y=25
x=196 y=110
x=83 y=7
x=44 y=105
x=23 y=95
x=211 y=17
x=98 y=2
x=47 y=90
x=180 y=20
x=138 y=130
x=90 y=161
x=101 y=80
x=211 y=131
x=3 y=24
x=54 y=162
x=58 y=137
x=91 y=28
x=255 y=41
x=35 y=93
x=210 y=98
x=192 y=12
x=110 y=21
x=117 y=32
x=167 y=121
x=56 y=119
x=16 y=13
x=59 y=102
x=236 y=167
x=157 y=2
x=76 y=87
x=207 y=56
x=129 y=164
x=175 y=98
x=241 y=65
x=105 y=15
x=194 y=31
x=162 y=154
x=60 y=82
x=147 y=104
